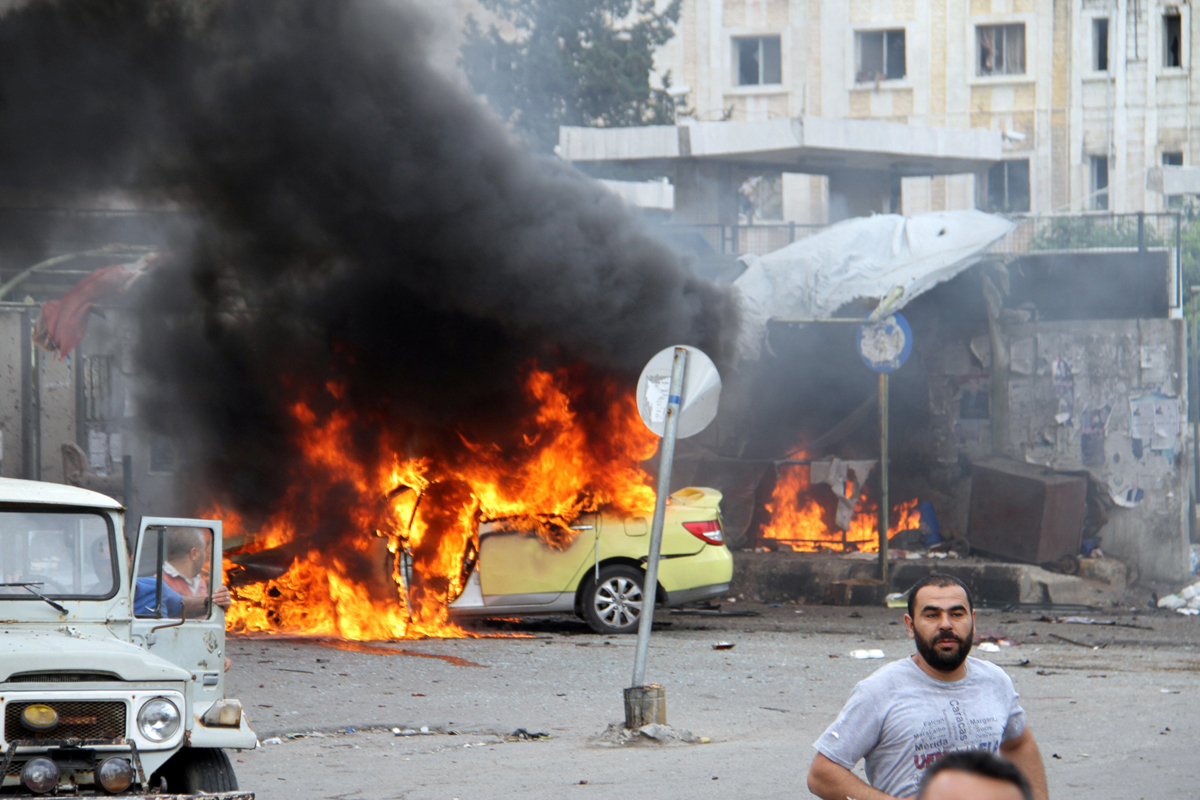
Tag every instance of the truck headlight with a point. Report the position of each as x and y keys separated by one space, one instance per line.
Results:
x=158 y=719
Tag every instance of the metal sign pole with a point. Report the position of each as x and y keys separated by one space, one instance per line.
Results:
x=883 y=476
x=662 y=490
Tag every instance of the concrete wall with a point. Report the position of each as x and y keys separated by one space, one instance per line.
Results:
x=1105 y=396
x=1062 y=110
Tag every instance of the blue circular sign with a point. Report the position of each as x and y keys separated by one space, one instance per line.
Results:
x=887 y=344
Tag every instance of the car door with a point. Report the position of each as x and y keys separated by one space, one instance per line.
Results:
x=196 y=644
x=524 y=570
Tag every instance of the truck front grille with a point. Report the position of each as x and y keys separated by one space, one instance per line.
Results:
x=97 y=719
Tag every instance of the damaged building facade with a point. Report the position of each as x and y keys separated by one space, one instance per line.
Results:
x=1043 y=414
x=73 y=418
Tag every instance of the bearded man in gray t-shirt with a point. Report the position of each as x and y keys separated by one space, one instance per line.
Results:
x=903 y=717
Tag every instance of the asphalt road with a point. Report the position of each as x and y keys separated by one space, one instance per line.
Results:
x=1115 y=708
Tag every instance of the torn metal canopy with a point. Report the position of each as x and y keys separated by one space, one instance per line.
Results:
x=867 y=257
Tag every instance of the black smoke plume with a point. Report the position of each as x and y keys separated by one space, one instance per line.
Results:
x=359 y=221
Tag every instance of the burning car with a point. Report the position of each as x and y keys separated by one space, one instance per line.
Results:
x=600 y=573
x=104 y=689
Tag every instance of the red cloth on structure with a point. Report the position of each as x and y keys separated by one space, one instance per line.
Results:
x=63 y=322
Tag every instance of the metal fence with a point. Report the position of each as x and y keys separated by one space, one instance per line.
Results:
x=736 y=240
x=1101 y=233
x=1098 y=232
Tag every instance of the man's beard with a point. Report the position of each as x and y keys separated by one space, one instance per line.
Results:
x=945 y=662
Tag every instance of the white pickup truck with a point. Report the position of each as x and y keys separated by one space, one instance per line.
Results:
x=111 y=680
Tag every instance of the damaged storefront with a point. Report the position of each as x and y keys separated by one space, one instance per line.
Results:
x=1042 y=417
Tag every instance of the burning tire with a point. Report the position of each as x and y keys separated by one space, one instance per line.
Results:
x=199 y=769
x=613 y=604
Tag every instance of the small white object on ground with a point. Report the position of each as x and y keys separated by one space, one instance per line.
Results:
x=989 y=647
x=866 y=654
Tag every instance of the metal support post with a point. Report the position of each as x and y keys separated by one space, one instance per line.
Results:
x=663 y=490
x=1194 y=408
x=883 y=476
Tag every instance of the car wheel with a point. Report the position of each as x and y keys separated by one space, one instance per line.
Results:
x=613 y=604
x=194 y=770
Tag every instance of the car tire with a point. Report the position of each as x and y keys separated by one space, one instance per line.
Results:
x=194 y=770
x=613 y=604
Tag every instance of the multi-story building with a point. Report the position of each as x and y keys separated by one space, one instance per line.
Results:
x=1091 y=96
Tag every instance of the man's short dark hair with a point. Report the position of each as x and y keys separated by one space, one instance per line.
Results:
x=936 y=579
x=978 y=762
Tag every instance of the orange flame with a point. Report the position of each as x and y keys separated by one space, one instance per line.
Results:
x=565 y=459
x=798 y=520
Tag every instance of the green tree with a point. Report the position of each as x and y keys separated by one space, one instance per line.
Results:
x=545 y=63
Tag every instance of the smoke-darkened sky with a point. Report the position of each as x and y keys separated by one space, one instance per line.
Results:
x=383 y=228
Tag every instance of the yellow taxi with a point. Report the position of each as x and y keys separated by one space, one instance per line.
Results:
x=600 y=575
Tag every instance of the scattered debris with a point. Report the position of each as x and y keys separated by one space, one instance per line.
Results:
x=523 y=735
x=1091 y=621
x=785 y=711
x=989 y=647
x=1078 y=644
x=723 y=646
x=273 y=740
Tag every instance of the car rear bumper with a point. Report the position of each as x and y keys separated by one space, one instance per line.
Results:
x=685 y=596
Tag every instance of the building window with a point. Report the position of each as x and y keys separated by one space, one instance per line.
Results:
x=1172 y=39
x=1172 y=159
x=1007 y=187
x=98 y=391
x=880 y=55
x=758 y=61
x=760 y=199
x=1001 y=49
x=1100 y=44
x=1099 y=170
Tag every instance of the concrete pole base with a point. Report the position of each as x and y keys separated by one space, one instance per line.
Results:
x=645 y=705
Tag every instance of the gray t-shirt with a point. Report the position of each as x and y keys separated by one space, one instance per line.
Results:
x=901 y=720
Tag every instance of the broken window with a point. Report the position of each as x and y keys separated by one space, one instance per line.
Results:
x=1099 y=181
x=1001 y=49
x=1006 y=187
x=1100 y=44
x=758 y=61
x=1172 y=39
x=880 y=56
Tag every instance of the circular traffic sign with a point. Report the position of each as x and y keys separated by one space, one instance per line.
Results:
x=885 y=345
x=697 y=403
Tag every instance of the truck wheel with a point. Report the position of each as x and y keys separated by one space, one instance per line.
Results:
x=613 y=604
x=199 y=769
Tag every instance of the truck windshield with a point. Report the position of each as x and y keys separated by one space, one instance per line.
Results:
x=61 y=554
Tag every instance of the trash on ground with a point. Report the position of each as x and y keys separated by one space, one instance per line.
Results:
x=989 y=647
x=866 y=654
x=723 y=646
x=525 y=735
x=896 y=600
